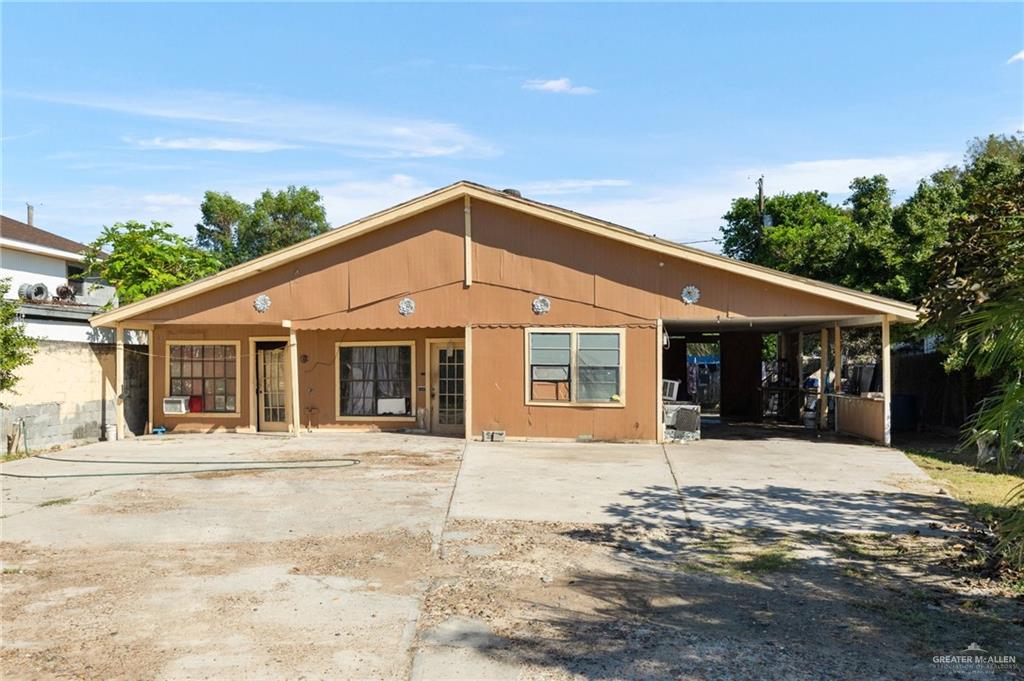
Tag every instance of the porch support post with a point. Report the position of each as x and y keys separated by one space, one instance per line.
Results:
x=823 y=382
x=468 y=240
x=837 y=359
x=659 y=351
x=119 y=380
x=293 y=365
x=467 y=380
x=886 y=381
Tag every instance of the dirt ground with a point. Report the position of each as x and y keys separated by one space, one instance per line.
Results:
x=327 y=595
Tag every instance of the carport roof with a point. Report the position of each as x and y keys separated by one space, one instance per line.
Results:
x=897 y=310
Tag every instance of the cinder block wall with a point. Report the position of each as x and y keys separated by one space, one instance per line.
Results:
x=66 y=395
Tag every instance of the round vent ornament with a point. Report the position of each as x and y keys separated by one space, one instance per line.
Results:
x=541 y=305
x=690 y=294
x=262 y=303
x=406 y=306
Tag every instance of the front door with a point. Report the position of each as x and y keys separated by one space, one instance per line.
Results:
x=447 y=396
x=271 y=386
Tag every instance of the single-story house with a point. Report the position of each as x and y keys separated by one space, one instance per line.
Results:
x=471 y=309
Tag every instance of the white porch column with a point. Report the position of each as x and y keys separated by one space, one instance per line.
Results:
x=467 y=378
x=119 y=381
x=837 y=359
x=822 y=381
x=293 y=370
x=659 y=349
x=886 y=380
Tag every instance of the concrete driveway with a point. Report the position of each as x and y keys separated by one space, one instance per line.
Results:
x=756 y=479
x=377 y=556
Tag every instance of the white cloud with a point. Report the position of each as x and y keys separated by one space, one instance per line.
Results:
x=559 y=187
x=834 y=175
x=294 y=122
x=559 y=86
x=1017 y=57
x=692 y=211
x=352 y=199
x=160 y=200
x=209 y=144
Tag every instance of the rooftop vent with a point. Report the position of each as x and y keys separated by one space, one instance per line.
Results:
x=513 y=192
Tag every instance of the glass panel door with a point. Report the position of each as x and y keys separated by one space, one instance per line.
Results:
x=448 y=405
x=271 y=387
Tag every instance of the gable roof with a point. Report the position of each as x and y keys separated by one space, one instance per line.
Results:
x=22 y=231
x=900 y=311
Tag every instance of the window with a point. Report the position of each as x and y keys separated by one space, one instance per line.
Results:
x=597 y=365
x=206 y=371
x=550 y=366
x=575 y=366
x=375 y=380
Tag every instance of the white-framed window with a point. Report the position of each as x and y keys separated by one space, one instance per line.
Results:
x=207 y=371
x=375 y=380
x=567 y=366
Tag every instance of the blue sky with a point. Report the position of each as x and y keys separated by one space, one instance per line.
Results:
x=653 y=116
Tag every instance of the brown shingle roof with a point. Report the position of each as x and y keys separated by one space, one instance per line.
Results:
x=21 y=231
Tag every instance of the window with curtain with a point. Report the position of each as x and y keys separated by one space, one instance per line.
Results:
x=571 y=366
x=375 y=380
x=206 y=371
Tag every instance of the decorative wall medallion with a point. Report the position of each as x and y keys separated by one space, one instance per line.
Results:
x=262 y=303
x=690 y=294
x=406 y=306
x=541 y=305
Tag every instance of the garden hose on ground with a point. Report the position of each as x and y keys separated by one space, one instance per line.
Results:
x=231 y=467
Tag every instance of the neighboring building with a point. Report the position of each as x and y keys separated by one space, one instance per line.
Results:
x=66 y=395
x=471 y=310
x=46 y=263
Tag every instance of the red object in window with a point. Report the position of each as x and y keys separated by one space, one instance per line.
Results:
x=195 y=404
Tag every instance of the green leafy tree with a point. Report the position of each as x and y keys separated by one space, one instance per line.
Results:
x=808 y=235
x=236 y=232
x=920 y=225
x=16 y=347
x=145 y=259
x=222 y=217
x=874 y=259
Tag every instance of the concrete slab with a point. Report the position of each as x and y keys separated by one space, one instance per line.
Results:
x=565 y=482
x=792 y=484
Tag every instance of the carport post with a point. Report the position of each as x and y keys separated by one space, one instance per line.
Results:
x=119 y=380
x=837 y=359
x=886 y=381
x=823 y=372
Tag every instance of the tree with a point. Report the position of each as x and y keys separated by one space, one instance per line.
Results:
x=236 y=232
x=873 y=262
x=16 y=346
x=920 y=225
x=217 y=233
x=808 y=235
x=145 y=259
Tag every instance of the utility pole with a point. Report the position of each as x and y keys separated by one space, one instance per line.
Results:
x=760 y=196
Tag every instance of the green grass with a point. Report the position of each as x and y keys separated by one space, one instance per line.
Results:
x=985 y=492
x=57 y=502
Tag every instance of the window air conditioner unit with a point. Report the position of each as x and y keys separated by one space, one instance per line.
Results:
x=391 y=406
x=670 y=389
x=176 y=405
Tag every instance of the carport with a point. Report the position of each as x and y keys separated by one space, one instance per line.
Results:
x=753 y=390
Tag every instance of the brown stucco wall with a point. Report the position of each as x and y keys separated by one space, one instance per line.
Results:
x=499 y=392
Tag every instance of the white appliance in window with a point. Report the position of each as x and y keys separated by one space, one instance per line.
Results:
x=176 y=405
x=670 y=389
x=391 y=406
